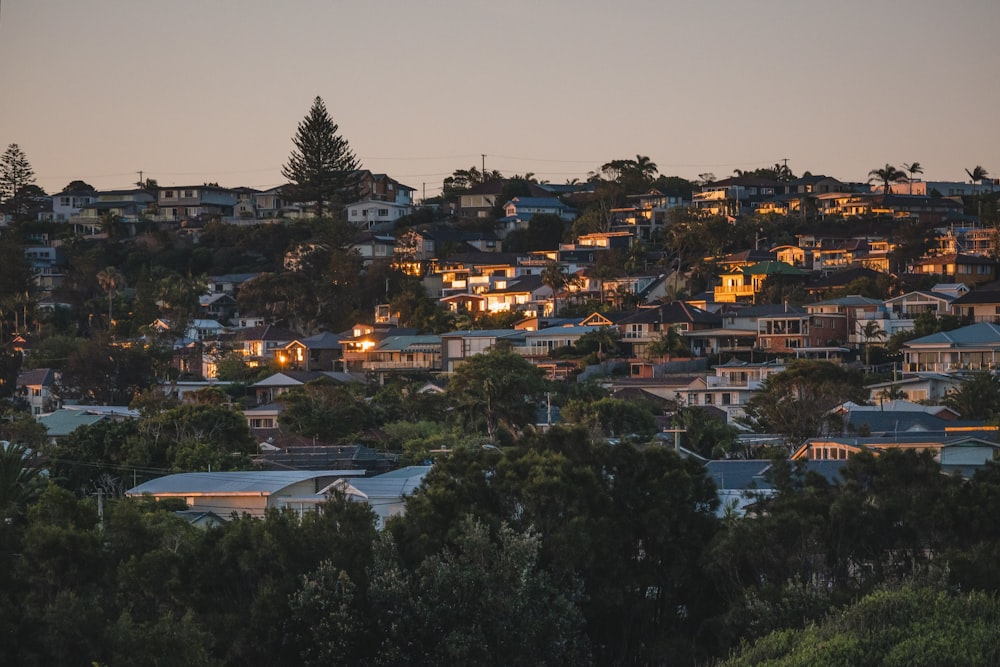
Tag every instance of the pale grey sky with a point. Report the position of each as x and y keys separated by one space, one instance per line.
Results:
x=197 y=90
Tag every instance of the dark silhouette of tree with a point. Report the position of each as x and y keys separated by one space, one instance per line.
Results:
x=16 y=175
x=886 y=175
x=911 y=169
x=322 y=164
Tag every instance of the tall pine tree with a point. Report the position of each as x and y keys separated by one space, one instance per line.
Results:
x=322 y=164
x=15 y=175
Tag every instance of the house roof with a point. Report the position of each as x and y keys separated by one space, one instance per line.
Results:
x=538 y=202
x=415 y=343
x=63 y=422
x=249 y=482
x=849 y=300
x=394 y=484
x=676 y=311
x=44 y=377
x=773 y=267
x=266 y=332
x=981 y=333
x=321 y=341
x=979 y=296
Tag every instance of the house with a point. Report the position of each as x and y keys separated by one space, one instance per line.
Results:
x=457 y=346
x=974 y=347
x=745 y=283
x=124 y=206
x=247 y=492
x=69 y=203
x=910 y=305
x=914 y=387
x=981 y=305
x=373 y=187
x=374 y=247
x=861 y=312
x=386 y=493
x=48 y=264
x=371 y=213
x=736 y=196
x=969 y=269
x=37 y=387
x=415 y=245
x=519 y=211
x=195 y=202
x=404 y=354
x=200 y=330
x=320 y=352
x=260 y=346
x=268 y=203
x=645 y=212
x=543 y=341
x=955 y=453
x=802 y=334
x=732 y=386
x=362 y=338
x=647 y=325
x=272 y=387
x=528 y=294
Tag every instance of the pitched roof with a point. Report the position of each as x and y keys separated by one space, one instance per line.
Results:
x=44 y=377
x=982 y=333
x=676 y=311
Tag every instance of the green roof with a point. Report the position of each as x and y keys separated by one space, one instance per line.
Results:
x=771 y=267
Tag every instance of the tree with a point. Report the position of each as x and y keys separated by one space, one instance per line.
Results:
x=555 y=277
x=21 y=480
x=322 y=163
x=871 y=331
x=978 y=174
x=16 y=175
x=914 y=625
x=111 y=281
x=669 y=343
x=796 y=401
x=977 y=397
x=497 y=390
x=704 y=433
x=911 y=169
x=886 y=175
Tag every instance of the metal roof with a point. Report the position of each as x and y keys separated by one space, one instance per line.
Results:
x=249 y=482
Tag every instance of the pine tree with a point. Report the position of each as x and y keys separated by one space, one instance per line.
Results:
x=322 y=164
x=15 y=175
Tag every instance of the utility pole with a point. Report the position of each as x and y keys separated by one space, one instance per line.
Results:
x=484 y=166
x=140 y=179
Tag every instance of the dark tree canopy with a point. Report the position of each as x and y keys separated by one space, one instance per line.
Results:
x=322 y=163
x=15 y=175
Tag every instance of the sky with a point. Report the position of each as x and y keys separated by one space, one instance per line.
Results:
x=189 y=91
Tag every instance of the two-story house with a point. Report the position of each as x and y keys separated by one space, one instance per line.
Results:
x=647 y=325
x=802 y=334
x=195 y=202
x=732 y=386
x=37 y=387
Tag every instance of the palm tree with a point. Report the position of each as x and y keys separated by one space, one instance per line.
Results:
x=646 y=167
x=111 y=281
x=912 y=168
x=555 y=277
x=21 y=481
x=977 y=175
x=887 y=175
x=871 y=331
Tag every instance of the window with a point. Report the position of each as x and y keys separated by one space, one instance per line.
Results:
x=168 y=194
x=708 y=399
x=383 y=212
x=727 y=399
